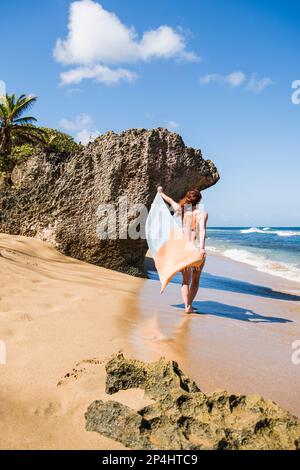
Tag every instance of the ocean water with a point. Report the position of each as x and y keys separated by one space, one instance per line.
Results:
x=274 y=250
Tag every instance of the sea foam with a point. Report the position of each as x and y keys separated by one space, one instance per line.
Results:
x=287 y=271
x=268 y=231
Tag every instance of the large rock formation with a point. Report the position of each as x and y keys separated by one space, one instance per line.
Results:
x=56 y=197
x=182 y=417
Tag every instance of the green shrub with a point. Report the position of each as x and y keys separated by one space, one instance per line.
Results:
x=53 y=141
x=22 y=151
x=56 y=141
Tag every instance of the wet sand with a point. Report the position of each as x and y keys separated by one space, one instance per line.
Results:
x=240 y=339
x=61 y=319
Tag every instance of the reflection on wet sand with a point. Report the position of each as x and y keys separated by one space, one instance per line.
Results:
x=238 y=339
x=152 y=332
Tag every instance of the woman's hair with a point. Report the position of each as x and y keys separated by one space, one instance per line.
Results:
x=192 y=197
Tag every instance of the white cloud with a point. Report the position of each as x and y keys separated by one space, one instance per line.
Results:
x=97 y=40
x=100 y=73
x=189 y=57
x=172 y=125
x=211 y=78
x=80 y=122
x=236 y=79
x=83 y=125
x=163 y=42
x=257 y=85
x=85 y=136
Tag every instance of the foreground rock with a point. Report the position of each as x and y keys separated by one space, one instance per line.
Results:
x=56 y=197
x=182 y=417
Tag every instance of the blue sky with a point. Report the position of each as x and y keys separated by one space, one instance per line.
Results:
x=220 y=74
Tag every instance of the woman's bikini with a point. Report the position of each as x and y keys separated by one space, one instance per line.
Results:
x=194 y=231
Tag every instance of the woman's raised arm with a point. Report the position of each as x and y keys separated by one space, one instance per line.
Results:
x=175 y=206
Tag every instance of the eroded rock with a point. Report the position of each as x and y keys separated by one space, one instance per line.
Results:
x=156 y=379
x=183 y=417
x=56 y=197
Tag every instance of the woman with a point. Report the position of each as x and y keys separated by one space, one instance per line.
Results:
x=194 y=228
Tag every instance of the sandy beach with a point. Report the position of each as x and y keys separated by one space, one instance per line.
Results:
x=61 y=319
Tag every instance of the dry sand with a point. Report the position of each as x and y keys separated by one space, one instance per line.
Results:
x=61 y=319
x=57 y=316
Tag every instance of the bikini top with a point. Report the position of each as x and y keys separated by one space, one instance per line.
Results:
x=196 y=217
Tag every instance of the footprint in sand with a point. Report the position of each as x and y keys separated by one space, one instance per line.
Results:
x=15 y=291
x=50 y=409
x=72 y=297
x=25 y=317
x=8 y=333
x=15 y=256
x=81 y=368
x=36 y=281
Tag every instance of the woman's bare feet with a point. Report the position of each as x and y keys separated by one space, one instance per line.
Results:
x=189 y=309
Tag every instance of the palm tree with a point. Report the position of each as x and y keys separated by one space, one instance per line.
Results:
x=48 y=142
x=16 y=129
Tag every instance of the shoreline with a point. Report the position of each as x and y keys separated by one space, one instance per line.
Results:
x=62 y=319
x=276 y=269
x=271 y=250
x=289 y=285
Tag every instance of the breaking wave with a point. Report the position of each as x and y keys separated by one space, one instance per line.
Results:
x=261 y=263
x=268 y=231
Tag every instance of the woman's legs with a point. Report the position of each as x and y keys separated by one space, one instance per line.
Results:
x=186 y=279
x=194 y=287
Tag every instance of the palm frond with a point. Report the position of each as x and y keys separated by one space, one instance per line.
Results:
x=22 y=105
x=27 y=134
x=29 y=128
x=24 y=120
x=3 y=110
